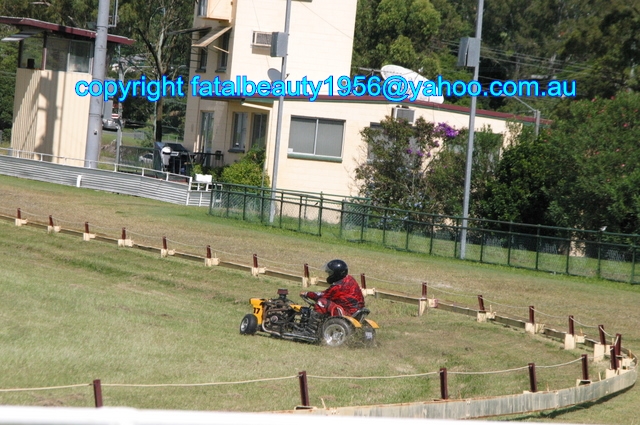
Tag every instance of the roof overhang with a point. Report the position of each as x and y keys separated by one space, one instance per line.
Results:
x=211 y=36
x=190 y=30
x=28 y=25
x=25 y=33
x=266 y=100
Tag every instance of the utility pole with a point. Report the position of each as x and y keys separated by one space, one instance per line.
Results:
x=472 y=123
x=94 y=129
x=283 y=75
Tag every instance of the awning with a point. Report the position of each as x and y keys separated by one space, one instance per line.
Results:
x=189 y=30
x=26 y=25
x=26 y=33
x=211 y=36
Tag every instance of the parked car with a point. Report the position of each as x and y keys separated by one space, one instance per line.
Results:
x=146 y=158
x=111 y=124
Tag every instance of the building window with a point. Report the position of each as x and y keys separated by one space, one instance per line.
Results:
x=316 y=137
x=203 y=55
x=223 y=55
x=31 y=56
x=202 y=8
x=258 y=130
x=239 y=131
x=206 y=132
x=80 y=53
x=57 y=52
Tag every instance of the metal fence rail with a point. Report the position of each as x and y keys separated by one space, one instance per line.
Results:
x=551 y=249
x=128 y=180
x=588 y=253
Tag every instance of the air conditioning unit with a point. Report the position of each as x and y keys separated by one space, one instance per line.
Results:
x=404 y=113
x=261 y=39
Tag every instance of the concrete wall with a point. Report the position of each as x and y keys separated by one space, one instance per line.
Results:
x=491 y=406
x=320 y=45
x=49 y=117
x=338 y=177
x=320 y=41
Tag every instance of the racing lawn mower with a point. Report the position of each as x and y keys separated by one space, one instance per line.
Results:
x=280 y=317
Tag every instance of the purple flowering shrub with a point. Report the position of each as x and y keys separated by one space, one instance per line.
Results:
x=396 y=171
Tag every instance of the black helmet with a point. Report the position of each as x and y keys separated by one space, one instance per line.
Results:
x=336 y=270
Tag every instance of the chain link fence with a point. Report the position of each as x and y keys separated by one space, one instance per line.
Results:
x=551 y=249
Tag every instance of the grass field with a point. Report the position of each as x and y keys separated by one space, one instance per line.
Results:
x=73 y=311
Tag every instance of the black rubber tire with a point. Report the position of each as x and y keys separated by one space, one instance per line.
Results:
x=336 y=332
x=249 y=325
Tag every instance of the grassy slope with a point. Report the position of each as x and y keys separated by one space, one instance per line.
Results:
x=82 y=311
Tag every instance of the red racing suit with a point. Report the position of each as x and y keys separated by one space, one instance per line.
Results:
x=343 y=298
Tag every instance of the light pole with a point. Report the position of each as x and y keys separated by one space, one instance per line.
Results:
x=472 y=120
x=94 y=128
x=536 y=114
x=276 y=152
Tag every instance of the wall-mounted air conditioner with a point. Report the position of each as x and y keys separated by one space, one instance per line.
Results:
x=261 y=39
x=404 y=113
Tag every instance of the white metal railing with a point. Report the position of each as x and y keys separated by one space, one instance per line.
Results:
x=15 y=415
x=124 y=179
x=73 y=162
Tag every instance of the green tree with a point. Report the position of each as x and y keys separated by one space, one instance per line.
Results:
x=394 y=172
x=8 y=65
x=74 y=13
x=248 y=171
x=606 y=43
x=403 y=32
x=153 y=24
x=519 y=191
x=599 y=176
x=446 y=173
x=583 y=172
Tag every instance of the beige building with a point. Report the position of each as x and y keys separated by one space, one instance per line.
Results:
x=49 y=119
x=320 y=144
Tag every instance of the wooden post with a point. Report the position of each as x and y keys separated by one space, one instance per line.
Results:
x=123 y=241
x=531 y=327
x=165 y=250
x=618 y=345
x=256 y=270
x=424 y=290
x=304 y=389
x=87 y=236
x=614 y=358
x=97 y=392
x=532 y=315
x=603 y=340
x=209 y=260
x=481 y=303
x=444 y=391
x=19 y=221
x=363 y=281
x=572 y=330
x=532 y=378
x=306 y=277
x=52 y=227
x=585 y=367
